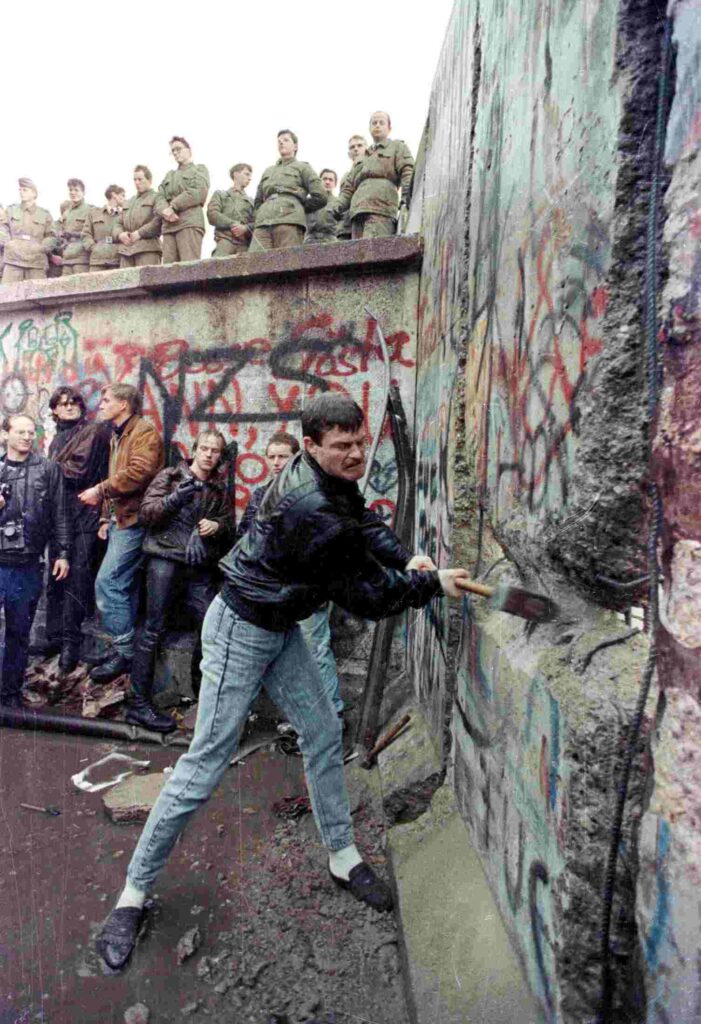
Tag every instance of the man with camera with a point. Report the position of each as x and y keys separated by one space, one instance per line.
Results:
x=32 y=513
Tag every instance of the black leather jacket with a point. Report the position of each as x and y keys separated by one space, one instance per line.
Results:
x=45 y=516
x=169 y=532
x=313 y=540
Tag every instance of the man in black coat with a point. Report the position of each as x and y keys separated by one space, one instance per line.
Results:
x=81 y=451
x=32 y=513
x=312 y=541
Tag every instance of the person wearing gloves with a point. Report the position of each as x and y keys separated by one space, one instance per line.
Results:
x=287 y=192
x=188 y=527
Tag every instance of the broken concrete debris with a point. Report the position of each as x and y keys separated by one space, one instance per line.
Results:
x=188 y=944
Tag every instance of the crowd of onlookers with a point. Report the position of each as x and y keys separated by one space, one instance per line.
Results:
x=104 y=504
x=292 y=205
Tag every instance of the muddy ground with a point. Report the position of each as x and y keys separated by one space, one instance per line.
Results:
x=277 y=941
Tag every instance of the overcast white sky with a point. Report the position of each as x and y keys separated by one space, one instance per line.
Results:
x=99 y=87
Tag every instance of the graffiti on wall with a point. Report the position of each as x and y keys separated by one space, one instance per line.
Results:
x=512 y=794
x=248 y=389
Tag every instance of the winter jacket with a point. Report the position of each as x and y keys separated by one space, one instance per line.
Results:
x=169 y=532
x=44 y=516
x=136 y=455
x=313 y=540
x=251 y=509
x=81 y=450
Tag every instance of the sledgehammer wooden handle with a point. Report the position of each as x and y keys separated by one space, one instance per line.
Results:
x=475 y=588
x=384 y=741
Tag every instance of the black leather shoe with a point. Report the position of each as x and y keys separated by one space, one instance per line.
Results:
x=115 y=666
x=69 y=659
x=118 y=936
x=366 y=887
x=145 y=715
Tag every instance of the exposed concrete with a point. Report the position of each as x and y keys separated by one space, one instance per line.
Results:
x=410 y=767
x=459 y=964
x=131 y=801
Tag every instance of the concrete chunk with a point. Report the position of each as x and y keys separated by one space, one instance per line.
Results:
x=132 y=800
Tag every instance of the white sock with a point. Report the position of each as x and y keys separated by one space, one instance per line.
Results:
x=131 y=897
x=341 y=862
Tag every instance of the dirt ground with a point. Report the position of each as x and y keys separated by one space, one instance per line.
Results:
x=277 y=941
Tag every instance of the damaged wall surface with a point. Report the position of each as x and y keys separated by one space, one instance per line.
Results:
x=669 y=906
x=531 y=393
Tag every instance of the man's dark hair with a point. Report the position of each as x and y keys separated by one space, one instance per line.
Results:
x=6 y=422
x=126 y=393
x=329 y=170
x=287 y=131
x=111 y=189
x=239 y=167
x=281 y=437
x=328 y=411
x=146 y=171
x=66 y=392
x=179 y=138
x=75 y=183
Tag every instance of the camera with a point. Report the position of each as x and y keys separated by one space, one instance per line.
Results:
x=12 y=536
x=5 y=491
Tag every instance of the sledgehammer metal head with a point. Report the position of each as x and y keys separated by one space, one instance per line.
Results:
x=514 y=600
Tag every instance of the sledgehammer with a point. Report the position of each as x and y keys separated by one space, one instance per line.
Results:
x=513 y=600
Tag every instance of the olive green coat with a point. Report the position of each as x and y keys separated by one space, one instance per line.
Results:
x=371 y=185
x=70 y=233
x=185 y=191
x=226 y=208
x=100 y=237
x=29 y=234
x=321 y=226
x=288 y=190
x=140 y=215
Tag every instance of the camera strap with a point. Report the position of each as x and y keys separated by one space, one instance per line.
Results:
x=23 y=505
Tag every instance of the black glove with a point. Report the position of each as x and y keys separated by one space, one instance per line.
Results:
x=183 y=493
x=196 y=550
x=334 y=211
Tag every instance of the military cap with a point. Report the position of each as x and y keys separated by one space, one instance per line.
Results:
x=27 y=183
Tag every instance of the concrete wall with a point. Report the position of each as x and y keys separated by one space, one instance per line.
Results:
x=669 y=905
x=234 y=344
x=531 y=433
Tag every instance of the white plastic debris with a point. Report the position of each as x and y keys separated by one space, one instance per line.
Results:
x=92 y=781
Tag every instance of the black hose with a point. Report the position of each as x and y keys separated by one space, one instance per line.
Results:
x=75 y=726
x=653 y=387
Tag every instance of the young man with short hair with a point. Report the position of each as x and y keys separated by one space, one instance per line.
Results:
x=102 y=228
x=180 y=204
x=136 y=455
x=139 y=226
x=230 y=211
x=321 y=224
x=71 y=256
x=188 y=527
x=32 y=513
x=313 y=540
x=288 y=190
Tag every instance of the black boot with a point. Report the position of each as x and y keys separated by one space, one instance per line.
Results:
x=69 y=657
x=115 y=666
x=141 y=712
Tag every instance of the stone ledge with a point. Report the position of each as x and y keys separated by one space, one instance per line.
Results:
x=459 y=964
x=364 y=255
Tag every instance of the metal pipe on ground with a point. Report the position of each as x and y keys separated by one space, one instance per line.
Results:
x=74 y=726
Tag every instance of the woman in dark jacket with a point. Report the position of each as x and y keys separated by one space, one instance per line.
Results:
x=186 y=512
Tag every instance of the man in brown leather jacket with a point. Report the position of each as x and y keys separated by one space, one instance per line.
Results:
x=136 y=455
x=139 y=228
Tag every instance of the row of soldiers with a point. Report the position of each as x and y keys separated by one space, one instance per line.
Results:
x=293 y=205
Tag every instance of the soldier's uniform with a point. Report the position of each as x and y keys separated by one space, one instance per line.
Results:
x=321 y=226
x=185 y=191
x=140 y=215
x=370 y=189
x=70 y=233
x=100 y=238
x=28 y=236
x=227 y=208
x=288 y=190
x=343 y=231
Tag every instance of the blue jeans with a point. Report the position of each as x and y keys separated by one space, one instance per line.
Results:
x=117 y=588
x=20 y=587
x=239 y=658
x=317 y=633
